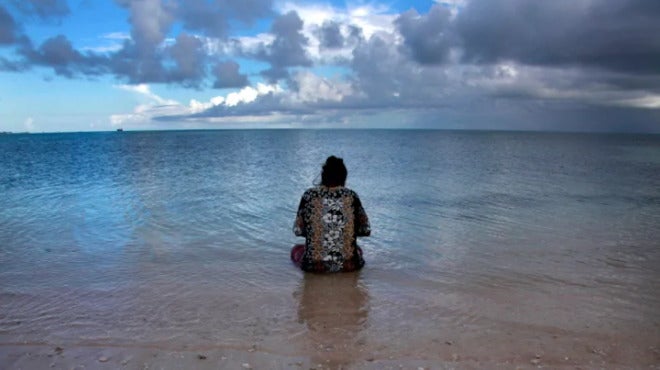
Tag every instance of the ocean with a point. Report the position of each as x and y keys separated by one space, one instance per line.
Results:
x=491 y=247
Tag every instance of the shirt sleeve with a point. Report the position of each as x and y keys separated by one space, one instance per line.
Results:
x=362 y=226
x=299 y=224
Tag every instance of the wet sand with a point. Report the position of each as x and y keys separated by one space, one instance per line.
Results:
x=330 y=322
x=539 y=349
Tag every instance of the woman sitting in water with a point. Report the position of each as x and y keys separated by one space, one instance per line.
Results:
x=330 y=217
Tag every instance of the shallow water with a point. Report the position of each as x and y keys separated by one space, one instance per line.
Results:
x=182 y=238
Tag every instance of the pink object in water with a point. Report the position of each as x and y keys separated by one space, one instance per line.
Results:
x=297 y=254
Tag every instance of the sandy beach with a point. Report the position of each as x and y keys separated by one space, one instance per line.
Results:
x=540 y=349
x=316 y=332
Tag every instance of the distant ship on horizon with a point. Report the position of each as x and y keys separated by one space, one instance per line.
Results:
x=120 y=129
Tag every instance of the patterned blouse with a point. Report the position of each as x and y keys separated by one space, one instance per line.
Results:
x=330 y=219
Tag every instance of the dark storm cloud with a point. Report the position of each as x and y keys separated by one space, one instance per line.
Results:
x=330 y=36
x=44 y=9
x=13 y=65
x=428 y=37
x=138 y=65
x=288 y=48
x=616 y=35
x=183 y=62
x=374 y=63
x=201 y=15
x=620 y=35
x=58 y=54
x=150 y=22
x=140 y=59
x=189 y=58
x=389 y=78
x=227 y=75
x=8 y=27
x=212 y=17
x=246 y=10
x=143 y=59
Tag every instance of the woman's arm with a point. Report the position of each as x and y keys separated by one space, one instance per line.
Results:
x=362 y=226
x=299 y=224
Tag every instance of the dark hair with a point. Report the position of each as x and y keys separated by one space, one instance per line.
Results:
x=334 y=172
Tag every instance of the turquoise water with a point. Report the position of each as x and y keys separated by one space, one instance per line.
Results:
x=183 y=236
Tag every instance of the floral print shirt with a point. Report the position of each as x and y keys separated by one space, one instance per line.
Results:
x=330 y=219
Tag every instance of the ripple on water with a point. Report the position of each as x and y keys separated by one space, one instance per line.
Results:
x=184 y=237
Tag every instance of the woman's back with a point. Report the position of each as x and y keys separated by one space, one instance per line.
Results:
x=330 y=219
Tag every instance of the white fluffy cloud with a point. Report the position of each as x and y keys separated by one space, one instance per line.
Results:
x=157 y=106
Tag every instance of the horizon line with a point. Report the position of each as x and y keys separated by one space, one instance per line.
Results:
x=123 y=130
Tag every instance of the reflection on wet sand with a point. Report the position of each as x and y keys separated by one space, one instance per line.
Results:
x=335 y=309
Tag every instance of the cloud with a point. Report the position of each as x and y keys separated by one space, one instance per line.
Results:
x=247 y=10
x=387 y=77
x=140 y=59
x=287 y=49
x=309 y=95
x=651 y=101
x=189 y=57
x=212 y=18
x=227 y=75
x=145 y=90
x=146 y=56
x=12 y=65
x=428 y=37
x=143 y=113
x=619 y=36
x=204 y=16
x=59 y=54
x=354 y=24
x=8 y=27
x=502 y=56
x=234 y=104
x=255 y=101
x=330 y=35
x=308 y=88
x=150 y=20
x=249 y=94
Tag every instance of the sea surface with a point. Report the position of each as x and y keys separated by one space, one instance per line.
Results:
x=485 y=245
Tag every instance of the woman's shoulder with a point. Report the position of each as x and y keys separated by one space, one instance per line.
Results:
x=349 y=191
x=313 y=192
x=332 y=192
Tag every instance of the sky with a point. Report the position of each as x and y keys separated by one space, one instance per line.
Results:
x=560 y=65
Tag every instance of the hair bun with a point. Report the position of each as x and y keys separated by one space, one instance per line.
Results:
x=334 y=160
